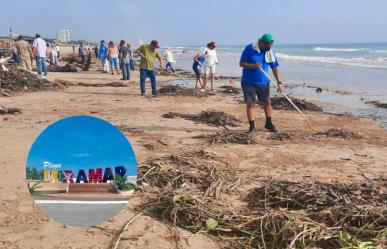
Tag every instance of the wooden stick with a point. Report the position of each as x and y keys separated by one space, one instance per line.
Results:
x=124 y=229
x=290 y=101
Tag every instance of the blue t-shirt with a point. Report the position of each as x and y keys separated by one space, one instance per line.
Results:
x=102 y=51
x=254 y=75
x=201 y=59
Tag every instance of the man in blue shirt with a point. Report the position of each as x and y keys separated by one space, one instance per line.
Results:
x=103 y=53
x=255 y=84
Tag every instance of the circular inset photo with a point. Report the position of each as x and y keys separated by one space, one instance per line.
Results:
x=81 y=171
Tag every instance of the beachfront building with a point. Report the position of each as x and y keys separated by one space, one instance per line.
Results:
x=63 y=35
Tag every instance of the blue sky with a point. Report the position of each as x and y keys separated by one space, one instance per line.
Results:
x=83 y=142
x=176 y=22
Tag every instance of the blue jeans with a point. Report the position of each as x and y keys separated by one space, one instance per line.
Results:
x=125 y=71
x=41 y=65
x=169 y=67
x=131 y=65
x=151 y=74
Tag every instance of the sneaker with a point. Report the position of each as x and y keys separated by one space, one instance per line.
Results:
x=155 y=94
x=252 y=130
x=202 y=90
x=142 y=94
x=270 y=127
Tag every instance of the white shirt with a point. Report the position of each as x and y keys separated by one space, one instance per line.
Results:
x=41 y=47
x=57 y=48
x=211 y=57
x=169 y=56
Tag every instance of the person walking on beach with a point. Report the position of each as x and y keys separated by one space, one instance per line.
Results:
x=255 y=84
x=25 y=53
x=83 y=53
x=211 y=60
x=102 y=55
x=124 y=57
x=131 y=57
x=40 y=52
x=197 y=67
x=57 y=49
x=112 y=55
x=52 y=55
x=148 y=53
x=96 y=52
x=169 y=58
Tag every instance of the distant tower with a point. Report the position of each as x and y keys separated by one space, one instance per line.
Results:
x=63 y=35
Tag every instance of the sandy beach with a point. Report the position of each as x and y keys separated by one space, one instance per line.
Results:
x=302 y=156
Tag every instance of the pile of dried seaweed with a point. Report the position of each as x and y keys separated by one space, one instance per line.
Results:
x=281 y=103
x=72 y=59
x=213 y=118
x=4 y=110
x=280 y=136
x=229 y=136
x=338 y=133
x=66 y=68
x=279 y=214
x=377 y=104
x=230 y=90
x=20 y=80
x=177 y=90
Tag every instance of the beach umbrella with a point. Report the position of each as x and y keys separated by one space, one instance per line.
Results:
x=288 y=99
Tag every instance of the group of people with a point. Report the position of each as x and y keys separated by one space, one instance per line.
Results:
x=255 y=61
x=206 y=62
x=25 y=53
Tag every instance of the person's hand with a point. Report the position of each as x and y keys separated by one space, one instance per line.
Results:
x=280 y=88
x=258 y=65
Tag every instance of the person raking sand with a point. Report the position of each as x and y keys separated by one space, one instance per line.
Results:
x=255 y=84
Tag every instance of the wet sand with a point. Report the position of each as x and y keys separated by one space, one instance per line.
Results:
x=304 y=157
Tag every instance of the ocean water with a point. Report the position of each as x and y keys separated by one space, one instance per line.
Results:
x=349 y=74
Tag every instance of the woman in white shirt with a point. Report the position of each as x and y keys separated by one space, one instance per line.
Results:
x=211 y=60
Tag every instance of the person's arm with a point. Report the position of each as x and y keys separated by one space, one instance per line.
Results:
x=196 y=58
x=249 y=65
x=160 y=60
x=243 y=61
x=139 y=52
x=120 y=53
x=277 y=78
x=34 y=45
x=30 y=52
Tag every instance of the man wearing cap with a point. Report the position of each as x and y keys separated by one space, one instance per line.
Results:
x=148 y=53
x=211 y=60
x=256 y=57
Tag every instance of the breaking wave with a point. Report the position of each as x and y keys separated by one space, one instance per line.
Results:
x=379 y=62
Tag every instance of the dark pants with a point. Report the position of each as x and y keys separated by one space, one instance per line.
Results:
x=84 y=60
x=125 y=71
x=131 y=65
x=168 y=66
x=151 y=74
x=196 y=68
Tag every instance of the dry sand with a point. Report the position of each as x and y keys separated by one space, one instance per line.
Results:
x=305 y=157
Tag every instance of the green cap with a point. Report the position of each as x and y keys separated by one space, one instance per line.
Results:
x=267 y=38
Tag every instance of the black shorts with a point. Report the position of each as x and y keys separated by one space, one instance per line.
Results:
x=252 y=92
